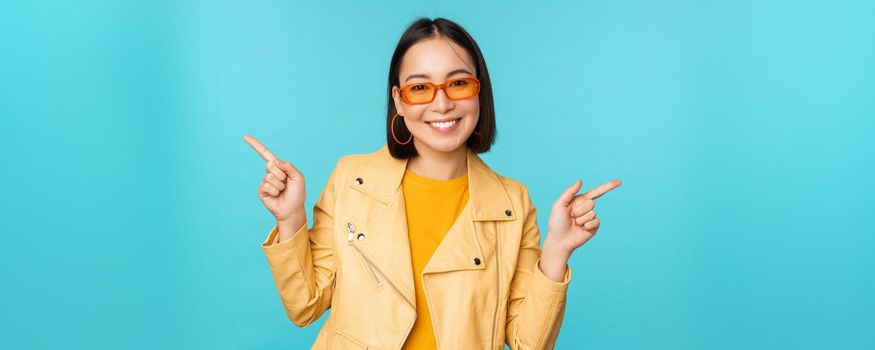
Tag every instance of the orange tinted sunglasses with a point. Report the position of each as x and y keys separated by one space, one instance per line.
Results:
x=455 y=89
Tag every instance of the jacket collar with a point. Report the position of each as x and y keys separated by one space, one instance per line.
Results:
x=381 y=178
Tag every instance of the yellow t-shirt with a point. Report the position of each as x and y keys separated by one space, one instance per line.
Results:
x=432 y=208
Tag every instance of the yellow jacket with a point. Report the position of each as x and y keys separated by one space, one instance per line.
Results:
x=483 y=285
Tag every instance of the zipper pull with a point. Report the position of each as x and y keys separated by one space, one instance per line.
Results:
x=351 y=229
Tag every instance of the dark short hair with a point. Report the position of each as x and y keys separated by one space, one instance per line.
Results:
x=419 y=30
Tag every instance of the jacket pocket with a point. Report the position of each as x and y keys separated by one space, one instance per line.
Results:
x=343 y=341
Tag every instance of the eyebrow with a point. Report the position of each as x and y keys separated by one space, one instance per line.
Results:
x=455 y=71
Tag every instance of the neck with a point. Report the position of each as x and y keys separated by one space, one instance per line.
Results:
x=439 y=165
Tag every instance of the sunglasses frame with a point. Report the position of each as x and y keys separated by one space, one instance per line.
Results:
x=440 y=87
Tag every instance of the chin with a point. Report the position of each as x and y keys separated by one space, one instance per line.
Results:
x=445 y=145
x=449 y=148
x=440 y=145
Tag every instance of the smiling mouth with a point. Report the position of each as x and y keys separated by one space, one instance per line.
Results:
x=445 y=125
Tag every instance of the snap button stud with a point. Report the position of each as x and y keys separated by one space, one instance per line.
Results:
x=359 y=180
x=507 y=212
x=476 y=261
x=361 y=237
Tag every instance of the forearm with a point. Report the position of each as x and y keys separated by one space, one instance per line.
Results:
x=302 y=267
x=536 y=307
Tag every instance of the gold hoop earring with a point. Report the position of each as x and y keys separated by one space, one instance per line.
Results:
x=392 y=131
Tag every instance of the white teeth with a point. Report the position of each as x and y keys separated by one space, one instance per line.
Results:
x=443 y=125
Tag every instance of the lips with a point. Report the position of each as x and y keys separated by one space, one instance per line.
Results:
x=445 y=126
x=444 y=122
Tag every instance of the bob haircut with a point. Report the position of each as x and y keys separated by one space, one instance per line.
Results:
x=422 y=29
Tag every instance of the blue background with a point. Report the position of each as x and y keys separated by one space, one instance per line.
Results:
x=741 y=130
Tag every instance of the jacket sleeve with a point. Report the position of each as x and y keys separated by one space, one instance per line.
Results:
x=536 y=304
x=304 y=266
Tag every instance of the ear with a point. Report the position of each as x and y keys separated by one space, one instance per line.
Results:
x=396 y=96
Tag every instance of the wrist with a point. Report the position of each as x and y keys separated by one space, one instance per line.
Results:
x=554 y=262
x=554 y=251
x=291 y=222
x=291 y=216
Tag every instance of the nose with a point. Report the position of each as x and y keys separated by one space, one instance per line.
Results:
x=441 y=103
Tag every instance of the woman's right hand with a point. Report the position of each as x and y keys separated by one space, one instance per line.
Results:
x=282 y=188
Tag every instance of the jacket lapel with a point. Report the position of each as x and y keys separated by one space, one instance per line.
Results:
x=387 y=243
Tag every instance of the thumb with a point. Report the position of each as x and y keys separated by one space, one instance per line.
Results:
x=566 y=197
x=292 y=173
x=287 y=167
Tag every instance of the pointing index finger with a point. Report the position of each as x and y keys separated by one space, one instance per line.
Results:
x=602 y=189
x=262 y=151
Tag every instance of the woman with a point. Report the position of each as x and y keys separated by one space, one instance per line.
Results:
x=420 y=245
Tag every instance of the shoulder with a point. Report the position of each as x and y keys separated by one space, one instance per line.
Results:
x=373 y=164
x=516 y=190
x=354 y=161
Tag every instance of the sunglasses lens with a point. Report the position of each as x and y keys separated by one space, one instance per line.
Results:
x=419 y=93
x=461 y=88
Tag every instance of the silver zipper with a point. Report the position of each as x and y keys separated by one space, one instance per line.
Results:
x=371 y=269
x=351 y=233
x=351 y=229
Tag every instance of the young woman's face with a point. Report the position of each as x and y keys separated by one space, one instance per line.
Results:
x=436 y=60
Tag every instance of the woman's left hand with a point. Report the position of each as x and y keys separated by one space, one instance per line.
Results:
x=573 y=222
